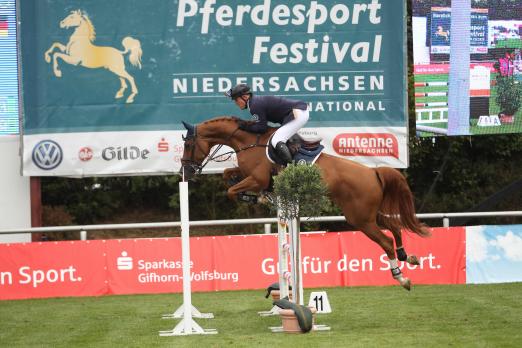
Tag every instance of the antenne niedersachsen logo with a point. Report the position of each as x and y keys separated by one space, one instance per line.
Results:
x=80 y=50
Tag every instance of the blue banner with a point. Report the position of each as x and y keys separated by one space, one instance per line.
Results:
x=103 y=67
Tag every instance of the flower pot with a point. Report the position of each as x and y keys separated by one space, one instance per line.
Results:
x=289 y=320
x=276 y=294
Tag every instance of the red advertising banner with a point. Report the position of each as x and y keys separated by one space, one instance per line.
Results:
x=53 y=269
x=90 y=268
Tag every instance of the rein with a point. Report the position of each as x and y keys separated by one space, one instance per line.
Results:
x=198 y=168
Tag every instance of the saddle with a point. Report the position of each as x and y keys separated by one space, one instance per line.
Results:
x=304 y=151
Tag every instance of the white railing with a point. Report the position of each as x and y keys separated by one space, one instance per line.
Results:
x=431 y=118
x=266 y=221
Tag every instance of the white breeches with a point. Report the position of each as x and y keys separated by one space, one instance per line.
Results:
x=289 y=129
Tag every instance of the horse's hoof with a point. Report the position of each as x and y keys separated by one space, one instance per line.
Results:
x=263 y=199
x=406 y=283
x=130 y=99
x=47 y=58
x=58 y=73
x=413 y=260
x=118 y=95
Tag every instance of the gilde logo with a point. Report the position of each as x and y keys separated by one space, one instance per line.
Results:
x=366 y=144
x=124 y=153
x=85 y=154
x=47 y=155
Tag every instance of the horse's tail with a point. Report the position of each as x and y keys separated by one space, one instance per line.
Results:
x=134 y=47
x=397 y=209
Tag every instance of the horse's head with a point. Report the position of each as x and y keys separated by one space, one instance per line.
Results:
x=74 y=19
x=194 y=152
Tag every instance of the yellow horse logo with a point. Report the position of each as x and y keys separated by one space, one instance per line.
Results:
x=81 y=51
x=443 y=33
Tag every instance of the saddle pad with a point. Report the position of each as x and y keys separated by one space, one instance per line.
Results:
x=308 y=156
x=302 y=156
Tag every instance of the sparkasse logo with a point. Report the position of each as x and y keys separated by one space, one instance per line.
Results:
x=366 y=144
x=124 y=262
x=163 y=145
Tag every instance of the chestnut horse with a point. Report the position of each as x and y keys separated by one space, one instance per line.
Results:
x=370 y=198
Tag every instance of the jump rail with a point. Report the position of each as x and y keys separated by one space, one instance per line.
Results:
x=266 y=221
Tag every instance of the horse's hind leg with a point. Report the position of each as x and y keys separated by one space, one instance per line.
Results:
x=134 y=89
x=374 y=233
x=401 y=252
x=122 y=73
x=122 y=89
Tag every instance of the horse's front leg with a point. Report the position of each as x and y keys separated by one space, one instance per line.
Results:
x=66 y=58
x=247 y=184
x=232 y=176
x=57 y=45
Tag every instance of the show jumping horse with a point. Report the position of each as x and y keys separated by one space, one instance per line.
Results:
x=370 y=198
x=81 y=51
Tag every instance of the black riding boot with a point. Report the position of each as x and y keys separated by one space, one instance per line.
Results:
x=283 y=152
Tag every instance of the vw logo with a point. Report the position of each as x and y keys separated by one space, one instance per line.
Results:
x=47 y=155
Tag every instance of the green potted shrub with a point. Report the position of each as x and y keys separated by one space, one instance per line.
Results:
x=508 y=98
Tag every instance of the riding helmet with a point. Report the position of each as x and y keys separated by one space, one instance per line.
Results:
x=238 y=91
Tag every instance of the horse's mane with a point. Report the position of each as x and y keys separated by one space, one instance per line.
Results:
x=223 y=119
x=234 y=119
x=92 y=31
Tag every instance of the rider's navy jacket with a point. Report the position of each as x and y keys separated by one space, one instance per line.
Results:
x=269 y=108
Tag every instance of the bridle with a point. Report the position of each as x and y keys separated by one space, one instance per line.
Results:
x=194 y=146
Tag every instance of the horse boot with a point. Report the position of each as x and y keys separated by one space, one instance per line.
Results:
x=247 y=198
x=283 y=152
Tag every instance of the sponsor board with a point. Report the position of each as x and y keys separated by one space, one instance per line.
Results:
x=105 y=153
x=87 y=268
x=161 y=151
x=345 y=59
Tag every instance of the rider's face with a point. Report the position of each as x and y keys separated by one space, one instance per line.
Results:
x=241 y=102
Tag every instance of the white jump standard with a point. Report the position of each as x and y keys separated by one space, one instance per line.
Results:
x=187 y=326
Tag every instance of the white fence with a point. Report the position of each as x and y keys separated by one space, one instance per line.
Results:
x=265 y=221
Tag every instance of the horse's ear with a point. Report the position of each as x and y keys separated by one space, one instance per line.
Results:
x=188 y=127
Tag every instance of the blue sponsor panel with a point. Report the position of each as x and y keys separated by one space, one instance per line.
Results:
x=8 y=69
x=441 y=30
x=494 y=254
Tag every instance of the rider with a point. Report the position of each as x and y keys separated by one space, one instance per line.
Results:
x=291 y=114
